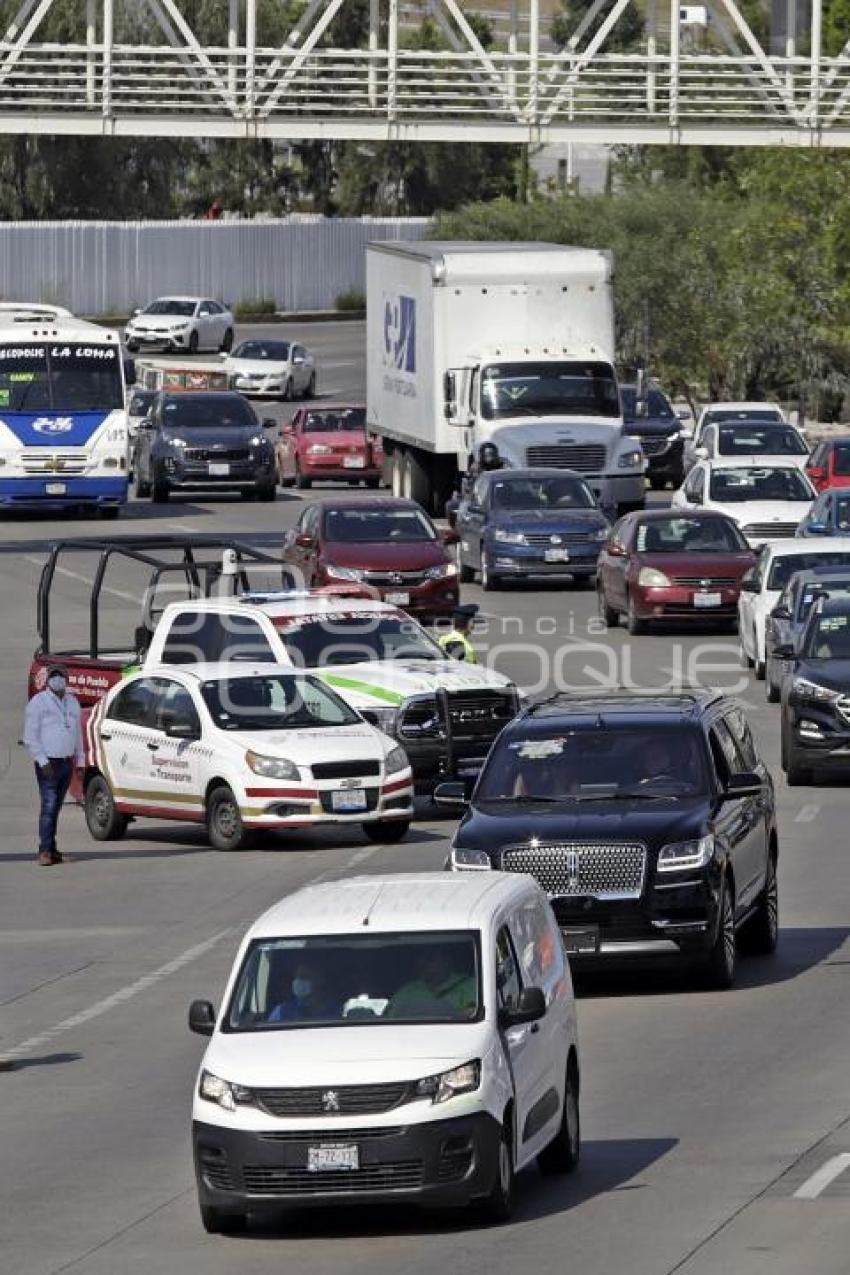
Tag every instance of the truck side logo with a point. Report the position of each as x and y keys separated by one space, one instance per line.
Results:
x=53 y=424
x=400 y=333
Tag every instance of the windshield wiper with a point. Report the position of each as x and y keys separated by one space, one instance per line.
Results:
x=526 y=798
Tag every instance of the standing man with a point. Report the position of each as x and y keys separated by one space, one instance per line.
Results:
x=456 y=644
x=53 y=737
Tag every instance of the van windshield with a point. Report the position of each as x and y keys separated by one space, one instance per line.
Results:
x=358 y=980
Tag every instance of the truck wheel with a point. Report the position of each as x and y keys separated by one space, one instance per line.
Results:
x=225 y=828
x=416 y=482
x=562 y=1153
x=387 y=830
x=104 y=822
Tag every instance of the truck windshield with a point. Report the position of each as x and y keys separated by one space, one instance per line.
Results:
x=548 y=389
x=357 y=980
x=351 y=639
x=276 y=702
x=60 y=377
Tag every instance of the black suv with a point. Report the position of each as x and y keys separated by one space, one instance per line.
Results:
x=649 y=820
x=816 y=694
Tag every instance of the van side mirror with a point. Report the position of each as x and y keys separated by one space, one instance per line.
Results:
x=201 y=1018
x=530 y=1007
x=449 y=394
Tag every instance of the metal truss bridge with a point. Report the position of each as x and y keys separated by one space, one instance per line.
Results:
x=140 y=68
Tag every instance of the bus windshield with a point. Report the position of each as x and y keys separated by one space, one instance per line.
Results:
x=60 y=377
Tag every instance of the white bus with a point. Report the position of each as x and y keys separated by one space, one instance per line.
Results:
x=63 y=425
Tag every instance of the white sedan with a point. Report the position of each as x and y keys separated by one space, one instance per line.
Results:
x=240 y=748
x=181 y=323
x=272 y=369
x=766 y=501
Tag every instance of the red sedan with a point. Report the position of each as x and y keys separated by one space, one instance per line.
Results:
x=663 y=564
x=329 y=442
x=385 y=543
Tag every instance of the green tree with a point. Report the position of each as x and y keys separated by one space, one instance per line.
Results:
x=625 y=37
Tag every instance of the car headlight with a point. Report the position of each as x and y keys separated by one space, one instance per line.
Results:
x=598 y=536
x=466 y=859
x=223 y=1093
x=384 y=719
x=682 y=855
x=396 y=761
x=503 y=537
x=319 y=449
x=271 y=767
x=630 y=459
x=344 y=573
x=449 y=1084
x=804 y=689
x=442 y=572
x=650 y=578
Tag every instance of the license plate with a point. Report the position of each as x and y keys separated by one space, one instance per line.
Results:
x=329 y=1158
x=55 y=489
x=707 y=599
x=219 y=471
x=398 y=599
x=580 y=941
x=354 y=462
x=349 y=800
x=556 y=555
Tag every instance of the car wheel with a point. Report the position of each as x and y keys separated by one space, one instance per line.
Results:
x=465 y=574
x=634 y=623
x=771 y=690
x=387 y=830
x=562 y=1153
x=310 y=391
x=287 y=390
x=373 y=483
x=658 y=484
x=227 y=341
x=140 y=487
x=217 y=1222
x=499 y=1204
x=762 y=929
x=758 y=669
x=489 y=582
x=225 y=828
x=610 y=618
x=193 y=343
x=104 y=822
x=719 y=964
x=301 y=481
x=160 y=491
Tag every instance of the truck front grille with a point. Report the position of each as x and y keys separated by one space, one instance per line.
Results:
x=586 y=458
x=604 y=870
x=40 y=462
x=473 y=715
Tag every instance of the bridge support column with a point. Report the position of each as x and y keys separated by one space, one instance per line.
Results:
x=233 y=45
x=651 y=53
x=814 y=79
x=675 y=42
x=374 y=36
x=108 y=39
x=91 y=56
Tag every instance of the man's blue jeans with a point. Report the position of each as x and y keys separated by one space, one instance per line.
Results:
x=52 y=787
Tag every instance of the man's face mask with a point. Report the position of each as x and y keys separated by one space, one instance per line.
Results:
x=57 y=682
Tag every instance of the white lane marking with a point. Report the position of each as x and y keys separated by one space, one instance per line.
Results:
x=347 y=363
x=75 y=575
x=360 y=856
x=58 y=935
x=806 y=814
x=827 y=1173
x=117 y=998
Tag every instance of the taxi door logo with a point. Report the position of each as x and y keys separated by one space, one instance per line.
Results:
x=400 y=333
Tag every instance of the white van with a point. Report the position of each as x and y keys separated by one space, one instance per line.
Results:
x=388 y=1038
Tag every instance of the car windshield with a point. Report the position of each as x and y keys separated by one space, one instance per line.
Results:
x=60 y=377
x=278 y=702
x=728 y=486
x=140 y=402
x=348 y=638
x=358 y=980
x=548 y=389
x=171 y=305
x=278 y=351
x=590 y=764
x=784 y=566
x=741 y=414
x=658 y=406
x=759 y=440
x=377 y=526
x=806 y=600
x=334 y=420
x=695 y=535
x=553 y=494
x=202 y=411
x=841 y=460
x=829 y=638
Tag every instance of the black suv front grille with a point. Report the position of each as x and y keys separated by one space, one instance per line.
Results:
x=345 y=769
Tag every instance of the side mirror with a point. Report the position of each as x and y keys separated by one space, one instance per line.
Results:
x=201 y=1018
x=269 y=422
x=137 y=311
x=449 y=394
x=141 y=638
x=304 y=541
x=815 y=471
x=147 y=423
x=695 y=499
x=615 y=549
x=530 y=1007
x=683 y=414
x=449 y=536
x=177 y=727
x=224 y=354
x=454 y=794
x=816 y=528
x=785 y=651
x=745 y=784
x=749 y=584
x=297 y=360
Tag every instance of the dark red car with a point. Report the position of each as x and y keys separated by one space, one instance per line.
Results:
x=829 y=463
x=664 y=564
x=387 y=544
x=329 y=442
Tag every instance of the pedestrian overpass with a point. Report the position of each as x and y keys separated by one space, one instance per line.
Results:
x=696 y=74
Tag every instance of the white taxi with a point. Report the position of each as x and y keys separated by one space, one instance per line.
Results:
x=242 y=749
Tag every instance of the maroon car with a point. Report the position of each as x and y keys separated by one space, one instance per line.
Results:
x=388 y=544
x=663 y=564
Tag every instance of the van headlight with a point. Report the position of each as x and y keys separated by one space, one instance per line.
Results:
x=682 y=855
x=271 y=767
x=395 y=761
x=467 y=858
x=224 y=1094
x=448 y=1084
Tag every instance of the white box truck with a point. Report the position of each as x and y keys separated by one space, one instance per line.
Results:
x=495 y=354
